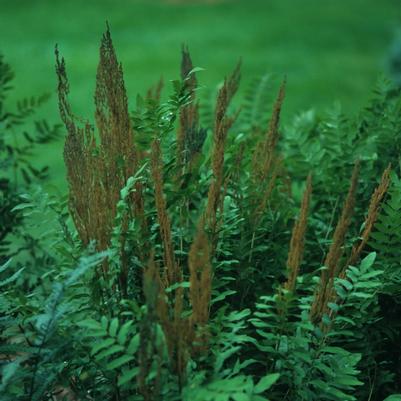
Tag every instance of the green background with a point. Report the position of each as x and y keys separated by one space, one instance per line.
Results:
x=329 y=49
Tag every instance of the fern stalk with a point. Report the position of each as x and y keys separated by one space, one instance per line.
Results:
x=332 y=261
x=298 y=239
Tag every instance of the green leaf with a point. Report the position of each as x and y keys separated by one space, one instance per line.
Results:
x=183 y=284
x=222 y=356
x=113 y=327
x=122 y=360
x=104 y=322
x=12 y=278
x=102 y=344
x=266 y=382
x=90 y=324
x=110 y=351
x=241 y=397
x=5 y=266
x=11 y=369
x=133 y=345
x=393 y=397
x=348 y=381
x=368 y=261
x=128 y=376
x=362 y=295
x=333 y=306
x=22 y=206
x=222 y=296
x=195 y=69
x=122 y=335
x=258 y=398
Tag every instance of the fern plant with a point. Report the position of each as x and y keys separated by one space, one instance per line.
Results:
x=199 y=275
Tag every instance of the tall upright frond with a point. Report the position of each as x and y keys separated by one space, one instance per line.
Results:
x=296 y=251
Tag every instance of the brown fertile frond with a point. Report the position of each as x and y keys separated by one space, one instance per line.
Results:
x=63 y=90
x=190 y=136
x=154 y=292
x=267 y=165
x=332 y=260
x=186 y=68
x=264 y=152
x=224 y=97
x=80 y=160
x=171 y=269
x=151 y=284
x=264 y=193
x=373 y=211
x=335 y=251
x=177 y=330
x=298 y=238
x=187 y=135
x=96 y=173
x=120 y=157
x=222 y=124
x=200 y=278
x=112 y=116
x=79 y=163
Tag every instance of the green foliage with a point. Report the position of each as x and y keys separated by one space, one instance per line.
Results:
x=394 y=397
x=18 y=139
x=69 y=329
x=41 y=331
x=384 y=241
x=387 y=230
x=115 y=346
x=238 y=388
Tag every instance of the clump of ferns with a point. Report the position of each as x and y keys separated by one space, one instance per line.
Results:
x=198 y=249
x=328 y=144
x=97 y=173
x=325 y=308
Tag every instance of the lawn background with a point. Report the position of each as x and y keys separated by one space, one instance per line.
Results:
x=330 y=50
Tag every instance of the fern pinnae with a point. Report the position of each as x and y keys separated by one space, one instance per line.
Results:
x=257 y=97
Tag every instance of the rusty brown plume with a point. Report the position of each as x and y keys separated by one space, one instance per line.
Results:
x=172 y=274
x=200 y=278
x=188 y=129
x=266 y=163
x=373 y=211
x=264 y=152
x=97 y=172
x=333 y=257
x=223 y=123
x=296 y=251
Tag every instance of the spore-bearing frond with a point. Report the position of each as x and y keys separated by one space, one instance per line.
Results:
x=97 y=172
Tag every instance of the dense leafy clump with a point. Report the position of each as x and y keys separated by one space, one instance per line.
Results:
x=204 y=252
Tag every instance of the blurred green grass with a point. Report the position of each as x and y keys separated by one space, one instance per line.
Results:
x=329 y=49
